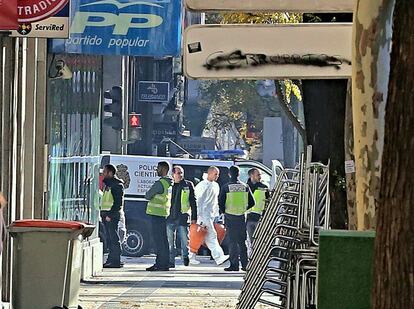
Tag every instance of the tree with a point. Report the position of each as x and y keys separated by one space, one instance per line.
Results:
x=371 y=65
x=394 y=245
x=235 y=104
x=349 y=156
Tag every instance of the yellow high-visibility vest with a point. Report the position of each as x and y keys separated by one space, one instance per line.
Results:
x=107 y=200
x=160 y=204
x=260 y=200
x=237 y=200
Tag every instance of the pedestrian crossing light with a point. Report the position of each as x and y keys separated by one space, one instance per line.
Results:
x=113 y=108
x=134 y=128
x=134 y=120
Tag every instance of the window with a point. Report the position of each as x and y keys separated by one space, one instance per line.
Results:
x=195 y=173
x=74 y=130
x=244 y=174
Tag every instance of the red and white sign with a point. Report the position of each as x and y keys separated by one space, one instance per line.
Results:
x=8 y=15
x=35 y=10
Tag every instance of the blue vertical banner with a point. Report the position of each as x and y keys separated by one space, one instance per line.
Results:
x=124 y=27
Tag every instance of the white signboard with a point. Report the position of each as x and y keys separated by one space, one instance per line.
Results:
x=349 y=167
x=297 y=51
x=43 y=19
x=52 y=27
x=138 y=175
x=272 y=5
x=140 y=172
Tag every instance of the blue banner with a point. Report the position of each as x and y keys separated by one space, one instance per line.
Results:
x=122 y=27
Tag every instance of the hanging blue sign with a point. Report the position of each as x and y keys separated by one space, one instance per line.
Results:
x=122 y=27
x=153 y=91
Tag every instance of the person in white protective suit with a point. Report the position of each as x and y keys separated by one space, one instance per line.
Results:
x=207 y=192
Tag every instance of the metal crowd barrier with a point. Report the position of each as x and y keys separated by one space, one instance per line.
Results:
x=282 y=266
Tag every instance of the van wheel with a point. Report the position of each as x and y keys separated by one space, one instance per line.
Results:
x=135 y=243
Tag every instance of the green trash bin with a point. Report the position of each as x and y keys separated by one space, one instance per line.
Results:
x=47 y=260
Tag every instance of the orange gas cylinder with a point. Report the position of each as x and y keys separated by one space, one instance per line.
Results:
x=197 y=234
x=221 y=232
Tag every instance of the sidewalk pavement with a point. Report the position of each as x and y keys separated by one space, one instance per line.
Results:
x=200 y=286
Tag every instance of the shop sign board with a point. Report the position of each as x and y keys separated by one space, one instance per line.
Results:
x=43 y=19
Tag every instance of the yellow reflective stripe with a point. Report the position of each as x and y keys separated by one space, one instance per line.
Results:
x=185 y=200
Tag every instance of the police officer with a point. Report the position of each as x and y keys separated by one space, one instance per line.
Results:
x=234 y=200
x=261 y=193
x=183 y=203
x=158 y=208
x=111 y=207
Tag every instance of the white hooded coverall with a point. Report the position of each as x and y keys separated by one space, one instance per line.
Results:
x=207 y=193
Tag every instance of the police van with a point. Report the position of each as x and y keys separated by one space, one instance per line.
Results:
x=139 y=173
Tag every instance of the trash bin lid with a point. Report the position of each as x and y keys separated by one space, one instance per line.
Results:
x=51 y=224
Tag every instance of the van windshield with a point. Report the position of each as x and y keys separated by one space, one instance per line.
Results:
x=244 y=174
x=195 y=173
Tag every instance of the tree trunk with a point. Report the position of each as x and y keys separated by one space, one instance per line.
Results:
x=371 y=59
x=349 y=157
x=324 y=109
x=288 y=141
x=394 y=246
x=287 y=110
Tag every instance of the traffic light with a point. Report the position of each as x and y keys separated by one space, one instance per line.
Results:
x=134 y=127
x=113 y=106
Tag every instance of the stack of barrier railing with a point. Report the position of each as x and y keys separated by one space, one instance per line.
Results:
x=315 y=216
x=282 y=267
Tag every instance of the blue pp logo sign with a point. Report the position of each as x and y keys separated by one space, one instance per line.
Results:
x=126 y=27
x=111 y=13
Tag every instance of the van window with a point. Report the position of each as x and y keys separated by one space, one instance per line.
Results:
x=195 y=173
x=244 y=174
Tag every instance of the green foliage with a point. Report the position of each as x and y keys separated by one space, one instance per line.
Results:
x=235 y=102
x=290 y=88
x=261 y=18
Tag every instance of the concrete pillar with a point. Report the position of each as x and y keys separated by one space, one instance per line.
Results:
x=22 y=135
x=6 y=99
x=28 y=125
